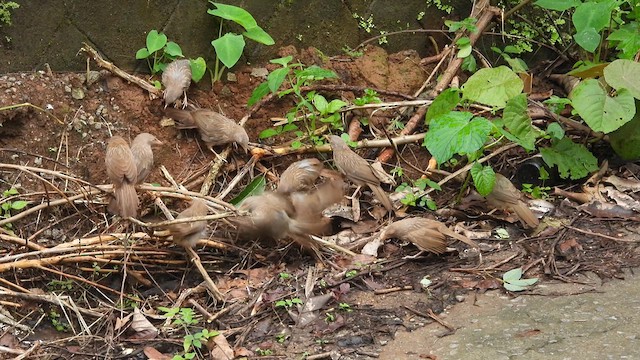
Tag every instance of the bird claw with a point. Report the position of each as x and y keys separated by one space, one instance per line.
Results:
x=218 y=156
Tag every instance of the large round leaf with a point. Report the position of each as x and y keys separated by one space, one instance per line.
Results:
x=599 y=110
x=493 y=87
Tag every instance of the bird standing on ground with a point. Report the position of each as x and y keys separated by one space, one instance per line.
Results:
x=357 y=169
x=426 y=234
x=142 y=150
x=121 y=170
x=188 y=234
x=176 y=79
x=300 y=175
x=215 y=129
x=506 y=197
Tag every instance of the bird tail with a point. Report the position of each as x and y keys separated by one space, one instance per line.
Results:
x=382 y=196
x=184 y=117
x=127 y=201
x=445 y=230
x=526 y=215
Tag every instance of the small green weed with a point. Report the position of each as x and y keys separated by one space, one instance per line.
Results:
x=8 y=206
x=192 y=342
x=5 y=11
x=287 y=303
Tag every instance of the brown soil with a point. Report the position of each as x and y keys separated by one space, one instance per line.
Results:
x=71 y=139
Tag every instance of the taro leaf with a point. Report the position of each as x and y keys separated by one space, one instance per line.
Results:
x=518 y=122
x=453 y=133
x=626 y=140
x=443 y=103
x=155 y=41
x=591 y=14
x=256 y=187
x=573 y=160
x=198 y=68
x=257 y=34
x=588 y=39
x=172 y=49
x=599 y=110
x=233 y=13
x=229 y=48
x=624 y=74
x=283 y=61
x=484 y=178
x=627 y=39
x=558 y=5
x=142 y=53
x=493 y=87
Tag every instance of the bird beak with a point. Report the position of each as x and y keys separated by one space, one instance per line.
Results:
x=157 y=142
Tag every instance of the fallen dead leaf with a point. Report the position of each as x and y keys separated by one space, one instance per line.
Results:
x=154 y=354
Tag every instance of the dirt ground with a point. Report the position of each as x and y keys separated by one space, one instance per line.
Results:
x=361 y=302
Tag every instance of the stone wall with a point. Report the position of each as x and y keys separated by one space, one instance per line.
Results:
x=52 y=31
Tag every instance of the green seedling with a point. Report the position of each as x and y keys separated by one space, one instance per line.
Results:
x=288 y=303
x=512 y=280
x=9 y=207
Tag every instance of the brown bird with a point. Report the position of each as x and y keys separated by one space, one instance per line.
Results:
x=309 y=206
x=215 y=129
x=506 y=197
x=121 y=169
x=142 y=150
x=176 y=79
x=300 y=175
x=426 y=234
x=357 y=169
x=188 y=234
x=270 y=216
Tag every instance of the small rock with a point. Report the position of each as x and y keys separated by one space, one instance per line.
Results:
x=460 y=298
x=260 y=72
x=37 y=161
x=232 y=77
x=67 y=88
x=77 y=93
x=92 y=77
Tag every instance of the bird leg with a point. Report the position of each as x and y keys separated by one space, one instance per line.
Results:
x=184 y=102
x=217 y=155
x=355 y=204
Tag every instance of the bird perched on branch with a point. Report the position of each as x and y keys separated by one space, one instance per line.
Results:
x=142 y=150
x=506 y=197
x=188 y=234
x=215 y=129
x=426 y=234
x=300 y=175
x=121 y=170
x=357 y=169
x=176 y=79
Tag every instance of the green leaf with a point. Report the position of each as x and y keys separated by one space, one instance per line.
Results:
x=229 y=48
x=173 y=49
x=12 y=191
x=258 y=93
x=155 y=41
x=511 y=275
x=315 y=72
x=443 y=104
x=258 y=35
x=599 y=110
x=267 y=133
x=517 y=120
x=335 y=105
x=198 y=68
x=493 y=87
x=555 y=131
x=256 y=187
x=464 y=51
x=320 y=103
x=454 y=134
x=591 y=14
x=626 y=140
x=276 y=78
x=18 y=205
x=624 y=74
x=588 y=39
x=484 y=178
x=627 y=39
x=573 y=160
x=558 y=5
x=236 y=14
x=142 y=53
x=282 y=61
